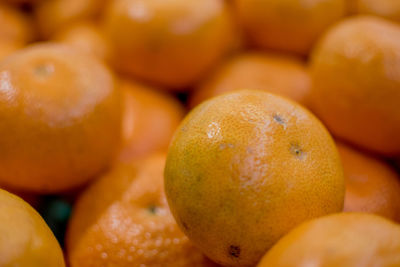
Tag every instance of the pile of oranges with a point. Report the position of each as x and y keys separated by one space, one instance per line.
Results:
x=201 y=132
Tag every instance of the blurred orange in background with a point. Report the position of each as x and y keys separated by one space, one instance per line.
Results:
x=288 y=25
x=149 y=120
x=60 y=118
x=15 y=26
x=171 y=43
x=356 y=87
x=371 y=184
x=389 y=9
x=86 y=36
x=280 y=74
x=124 y=219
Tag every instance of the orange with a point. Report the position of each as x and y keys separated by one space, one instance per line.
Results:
x=149 y=120
x=277 y=74
x=371 y=184
x=389 y=9
x=288 y=25
x=246 y=167
x=60 y=118
x=54 y=15
x=170 y=43
x=356 y=86
x=123 y=220
x=86 y=36
x=15 y=25
x=25 y=239
x=344 y=239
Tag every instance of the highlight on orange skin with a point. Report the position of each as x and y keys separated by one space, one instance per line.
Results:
x=371 y=184
x=171 y=43
x=280 y=74
x=149 y=120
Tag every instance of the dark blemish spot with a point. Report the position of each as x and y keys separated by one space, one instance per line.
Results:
x=297 y=151
x=152 y=209
x=234 y=251
x=279 y=119
x=185 y=225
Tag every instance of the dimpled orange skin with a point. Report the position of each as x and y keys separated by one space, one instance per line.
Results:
x=283 y=75
x=288 y=25
x=54 y=15
x=60 y=117
x=171 y=43
x=131 y=225
x=25 y=239
x=371 y=184
x=149 y=120
x=343 y=239
x=86 y=36
x=356 y=87
x=389 y=9
x=246 y=167
x=15 y=25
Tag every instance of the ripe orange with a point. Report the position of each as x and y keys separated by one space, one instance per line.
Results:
x=123 y=220
x=60 y=118
x=356 y=86
x=344 y=239
x=25 y=239
x=246 y=167
x=55 y=15
x=149 y=120
x=288 y=25
x=371 y=184
x=277 y=74
x=171 y=42
x=86 y=36
x=389 y=9
x=15 y=25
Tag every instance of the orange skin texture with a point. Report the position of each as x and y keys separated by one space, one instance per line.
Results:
x=356 y=85
x=371 y=184
x=278 y=74
x=343 y=239
x=123 y=220
x=86 y=36
x=287 y=25
x=54 y=15
x=149 y=120
x=7 y=48
x=239 y=168
x=170 y=43
x=15 y=26
x=389 y=9
x=25 y=238
x=60 y=117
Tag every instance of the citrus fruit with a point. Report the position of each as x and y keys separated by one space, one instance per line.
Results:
x=246 y=167
x=277 y=74
x=356 y=86
x=344 y=239
x=86 y=36
x=54 y=15
x=149 y=120
x=172 y=42
x=123 y=220
x=389 y=9
x=60 y=118
x=25 y=239
x=371 y=184
x=287 y=25
x=15 y=25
